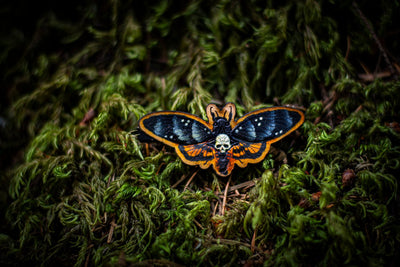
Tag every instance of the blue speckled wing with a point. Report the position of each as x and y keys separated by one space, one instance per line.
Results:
x=175 y=128
x=267 y=125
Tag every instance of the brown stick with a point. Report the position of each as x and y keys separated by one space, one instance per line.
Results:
x=225 y=194
x=374 y=36
x=183 y=177
x=190 y=180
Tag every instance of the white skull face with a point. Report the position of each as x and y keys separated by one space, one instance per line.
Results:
x=222 y=143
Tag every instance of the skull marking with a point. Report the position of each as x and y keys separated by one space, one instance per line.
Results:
x=222 y=143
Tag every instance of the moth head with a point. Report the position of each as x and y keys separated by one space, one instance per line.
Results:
x=222 y=143
x=221 y=125
x=228 y=113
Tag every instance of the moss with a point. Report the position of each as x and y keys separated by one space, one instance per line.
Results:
x=78 y=188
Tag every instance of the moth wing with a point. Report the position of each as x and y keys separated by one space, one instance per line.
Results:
x=175 y=128
x=200 y=154
x=143 y=137
x=267 y=125
x=247 y=152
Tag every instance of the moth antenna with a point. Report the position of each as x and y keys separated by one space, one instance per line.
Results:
x=214 y=114
x=230 y=115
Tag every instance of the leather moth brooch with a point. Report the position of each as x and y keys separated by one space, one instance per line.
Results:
x=222 y=141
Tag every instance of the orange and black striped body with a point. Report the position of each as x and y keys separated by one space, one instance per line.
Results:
x=222 y=141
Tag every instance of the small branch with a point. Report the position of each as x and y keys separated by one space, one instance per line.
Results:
x=246 y=185
x=225 y=194
x=234 y=243
x=215 y=209
x=183 y=177
x=348 y=48
x=111 y=232
x=198 y=224
x=253 y=241
x=90 y=114
x=190 y=180
x=374 y=36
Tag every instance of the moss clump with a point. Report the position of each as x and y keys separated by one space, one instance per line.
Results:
x=78 y=188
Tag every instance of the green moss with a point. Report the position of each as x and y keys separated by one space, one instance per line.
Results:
x=78 y=188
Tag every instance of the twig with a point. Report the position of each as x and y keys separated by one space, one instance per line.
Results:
x=374 y=36
x=88 y=255
x=90 y=114
x=253 y=241
x=360 y=107
x=370 y=77
x=110 y=234
x=215 y=208
x=234 y=243
x=348 y=48
x=198 y=224
x=110 y=179
x=183 y=177
x=190 y=180
x=159 y=167
x=246 y=185
x=225 y=194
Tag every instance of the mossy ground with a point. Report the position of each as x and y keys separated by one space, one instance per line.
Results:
x=78 y=188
